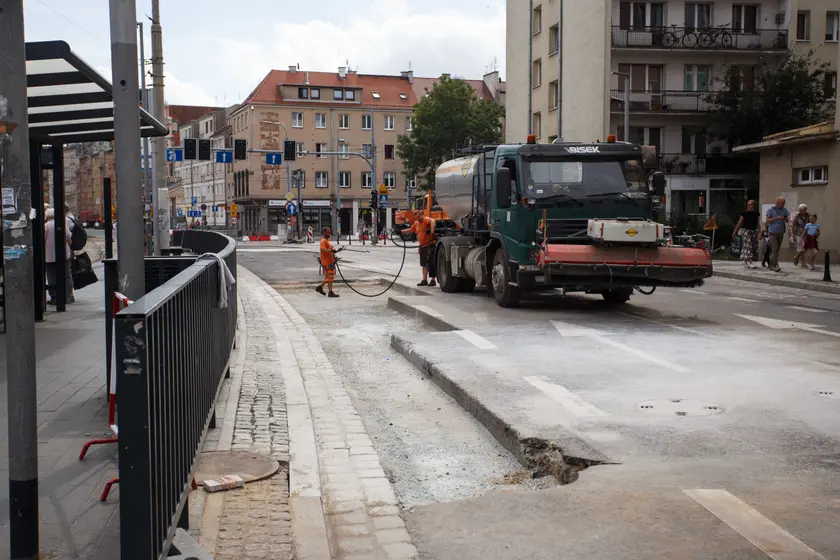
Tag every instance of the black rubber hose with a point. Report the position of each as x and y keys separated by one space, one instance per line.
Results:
x=394 y=281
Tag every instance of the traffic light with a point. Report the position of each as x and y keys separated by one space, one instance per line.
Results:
x=289 y=150
x=374 y=199
x=240 y=148
x=189 y=148
x=204 y=150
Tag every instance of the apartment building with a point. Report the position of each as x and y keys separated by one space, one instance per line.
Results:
x=85 y=167
x=669 y=53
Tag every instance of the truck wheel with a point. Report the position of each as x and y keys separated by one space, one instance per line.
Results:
x=505 y=294
x=619 y=295
x=449 y=283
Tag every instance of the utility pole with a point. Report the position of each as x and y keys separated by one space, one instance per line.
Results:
x=124 y=56
x=147 y=172
x=374 y=212
x=213 y=208
x=18 y=287
x=159 y=164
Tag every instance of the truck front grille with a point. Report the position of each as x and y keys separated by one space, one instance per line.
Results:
x=564 y=229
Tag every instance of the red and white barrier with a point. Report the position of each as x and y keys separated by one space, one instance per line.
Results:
x=310 y=235
x=120 y=303
x=249 y=238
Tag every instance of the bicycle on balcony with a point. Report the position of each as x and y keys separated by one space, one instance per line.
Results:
x=719 y=37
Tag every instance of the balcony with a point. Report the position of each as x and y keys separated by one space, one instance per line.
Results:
x=690 y=38
x=660 y=101
x=693 y=164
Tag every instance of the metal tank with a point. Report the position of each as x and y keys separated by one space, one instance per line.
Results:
x=454 y=186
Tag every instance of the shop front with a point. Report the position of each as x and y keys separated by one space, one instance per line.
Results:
x=316 y=214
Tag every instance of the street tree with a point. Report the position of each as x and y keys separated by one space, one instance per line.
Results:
x=784 y=97
x=450 y=117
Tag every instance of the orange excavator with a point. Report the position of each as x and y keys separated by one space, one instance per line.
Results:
x=427 y=206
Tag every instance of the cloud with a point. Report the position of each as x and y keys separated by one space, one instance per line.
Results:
x=180 y=92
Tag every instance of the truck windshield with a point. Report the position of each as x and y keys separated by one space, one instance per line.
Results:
x=546 y=178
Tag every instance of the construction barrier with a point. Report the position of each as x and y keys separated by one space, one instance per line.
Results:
x=310 y=235
x=120 y=303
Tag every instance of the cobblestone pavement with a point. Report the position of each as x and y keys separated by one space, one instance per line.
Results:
x=359 y=502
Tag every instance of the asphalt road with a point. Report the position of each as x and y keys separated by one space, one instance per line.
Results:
x=715 y=413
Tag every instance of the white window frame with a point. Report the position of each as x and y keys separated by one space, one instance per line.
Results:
x=344 y=121
x=344 y=179
x=536 y=73
x=807 y=14
x=389 y=179
x=553 y=95
x=536 y=19
x=389 y=122
x=320 y=120
x=300 y=148
x=338 y=95
x=553 y=39
x=349 y=95
x=320 y=147
x=695 y=70
x=322 y=179
x=314 y=93
x=345 y=149
x=832 y=35
x=411 y=183
x=375 y=95
x=810 y=174
x=409 y=124
x=367 y=179
x=297 y=120
x=367 y=150
x=367 y=118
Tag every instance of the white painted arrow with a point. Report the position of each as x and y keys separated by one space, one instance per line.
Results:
x=779 y=324
x=568 y=330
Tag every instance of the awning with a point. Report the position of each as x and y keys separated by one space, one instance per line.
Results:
x=69 y=101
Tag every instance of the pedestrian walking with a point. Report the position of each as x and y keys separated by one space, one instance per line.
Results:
x=797 y=235
x=327 y=263
x=777 y=217
x=810 y=243
x=49 y=257
x=424 y=227
x=748 y=224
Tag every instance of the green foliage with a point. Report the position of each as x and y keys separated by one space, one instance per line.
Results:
x=452 y=116
x=784 y=97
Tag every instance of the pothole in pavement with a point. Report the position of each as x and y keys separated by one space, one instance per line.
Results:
x=678 y=407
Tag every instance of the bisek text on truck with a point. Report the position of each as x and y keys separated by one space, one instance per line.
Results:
x=569 y=216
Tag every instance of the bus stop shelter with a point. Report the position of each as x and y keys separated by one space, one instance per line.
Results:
x=68 y=102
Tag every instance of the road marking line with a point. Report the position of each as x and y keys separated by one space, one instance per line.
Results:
x=693 y=291
x=569 y=400
x=774 y=541
x=747 y=300
x=809 y=309
x=478 y=341
x=663 y=323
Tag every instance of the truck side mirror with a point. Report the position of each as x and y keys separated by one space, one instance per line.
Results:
x=503 y=187
x=658 y=183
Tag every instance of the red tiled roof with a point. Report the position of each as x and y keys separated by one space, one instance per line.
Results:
x=422 y=84
x=388 y=88
x=183 y=114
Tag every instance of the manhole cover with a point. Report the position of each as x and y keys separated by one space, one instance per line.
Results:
x=678 y=407
x=830 y=393
x=250 y=466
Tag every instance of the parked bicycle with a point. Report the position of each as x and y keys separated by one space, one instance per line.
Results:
x=691 y=38
x=715 y=37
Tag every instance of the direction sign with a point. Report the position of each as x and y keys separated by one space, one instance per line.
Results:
x=383 y=189
x=273 y=158
x=174 y=154
x=215 y=209
x=194 y=200
x=291 y=208
x=383 y=200
x=224 y=156
x=180 y=213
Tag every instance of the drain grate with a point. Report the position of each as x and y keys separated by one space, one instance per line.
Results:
x=678 y=407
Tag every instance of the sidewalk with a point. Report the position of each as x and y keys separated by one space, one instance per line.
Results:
x=791 y=276
x=72 y=409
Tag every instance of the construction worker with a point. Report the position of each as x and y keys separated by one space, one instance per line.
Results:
x=327 y=263
x=424 y=227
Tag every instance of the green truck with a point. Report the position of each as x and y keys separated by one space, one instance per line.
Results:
x=565 y=216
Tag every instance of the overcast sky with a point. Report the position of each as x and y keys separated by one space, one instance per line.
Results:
x=217 y=51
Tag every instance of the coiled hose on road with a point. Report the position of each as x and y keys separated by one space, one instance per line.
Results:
x=394 y=281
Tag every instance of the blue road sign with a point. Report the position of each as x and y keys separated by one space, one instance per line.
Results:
x=224 y=156
x=383 y=200
x=215 y=209
x=180 y=213
x=194 y=200
x=291 y=208
x=174 y=154
x=273 y=158
x=193 y=214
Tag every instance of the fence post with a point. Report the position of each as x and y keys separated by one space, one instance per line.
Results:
x=827 y=271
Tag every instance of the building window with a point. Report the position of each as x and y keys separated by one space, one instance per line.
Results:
x=349 y=94
x=536 y=125
x=803 y=25
x=389 y=179
x=696 y=77
x=300 y=148
x=367 y=179
x=403 y=95
x=321 y=179
x=389 y=122
x=536 y=73
x=367 y=151
x=389 y=151
x=693 y=141
x=338 y=94
x=830 y=85
x=344 y=179
x=411 y=183
x=320 y=148
x=366 y=122
x=297 y=120
x=537 y=19
x=812 y=175
x=832 y=27
x=698 y=16
x=553 y=40
x=344 y=149
x=320 y=120
x=303 y=93
x=375 y=94
x=315 y=93
x=344 y=120
x=745 y=18
x=409 y=124
x=553 y=98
